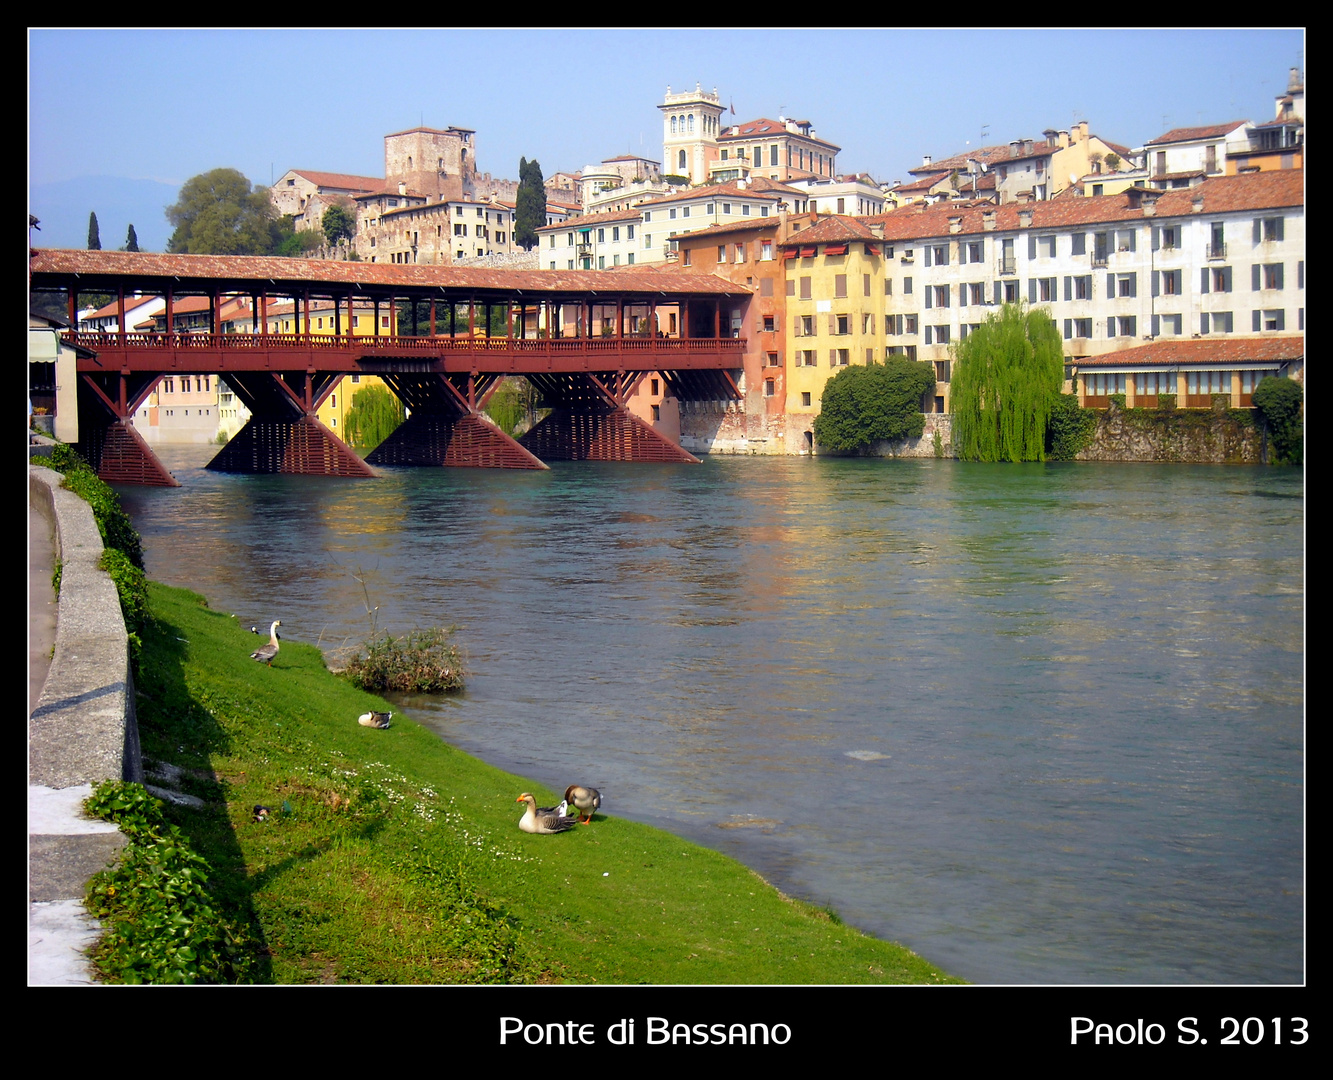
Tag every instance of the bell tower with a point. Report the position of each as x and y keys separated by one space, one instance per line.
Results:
x=691 y=123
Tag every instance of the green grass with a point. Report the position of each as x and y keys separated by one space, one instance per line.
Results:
x=392 y=857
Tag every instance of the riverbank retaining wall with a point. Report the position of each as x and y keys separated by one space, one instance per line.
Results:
x=1220 y=435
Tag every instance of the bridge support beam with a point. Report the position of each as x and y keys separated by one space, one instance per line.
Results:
x=593 y=433
x=467 y=440
x=120 y=455
x=299 y=445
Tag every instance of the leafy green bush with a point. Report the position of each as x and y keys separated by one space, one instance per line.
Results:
x=162 y=923
x=1069 y=428
x=421 y=661
x=132 y=589
x=1278 y=400
x=112 y=521
x=861 y=405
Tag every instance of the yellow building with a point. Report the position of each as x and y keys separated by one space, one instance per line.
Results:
x=834 y=315
x=284 y=319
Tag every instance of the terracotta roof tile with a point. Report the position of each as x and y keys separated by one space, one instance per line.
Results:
x=1189 y=134
x=709 y=192
x=1214 y=351
x=341 y=180
x=831 y=230
x=1222 y=194
x=245 y=271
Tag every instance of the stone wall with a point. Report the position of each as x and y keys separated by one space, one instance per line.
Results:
x=1220 y=435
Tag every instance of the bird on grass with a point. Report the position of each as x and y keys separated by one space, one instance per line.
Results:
x=543 y=819
x=265 y=653
x=587 y=800
x=262 y=813
x=375 y=719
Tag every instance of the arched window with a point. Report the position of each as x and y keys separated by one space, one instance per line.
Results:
x=682 y=162
x=673 y=125
x=691 y=123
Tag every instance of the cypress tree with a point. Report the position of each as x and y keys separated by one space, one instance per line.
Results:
x=529 y=205
x=131 y=240
x=94 y=237
x=1006 y=376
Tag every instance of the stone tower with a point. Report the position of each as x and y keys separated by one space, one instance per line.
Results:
x=691 y=123
x=438 y=164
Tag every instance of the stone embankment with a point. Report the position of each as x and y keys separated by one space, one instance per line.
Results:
x=81 y=727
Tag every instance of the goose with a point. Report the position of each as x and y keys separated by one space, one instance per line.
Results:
x=265 y=653
x=544 y=819
x=375 y=719
x=585 y=799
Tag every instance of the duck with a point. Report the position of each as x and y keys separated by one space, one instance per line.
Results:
x=375 y=719
x=587 y=800
x=543 y=819
x=265 y=653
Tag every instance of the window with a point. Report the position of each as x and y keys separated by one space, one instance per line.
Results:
x=909 y=324
x=939 y=254
x=1078 y=243
x=601 y=236
x=907 y=286
x=1010 y=292
x=1045 y=290
x=1083 y=328
x=972 y=252
x=1124 y=285
x=841 y=325
x=629 y=232
x=840 y=285
x=740 y=253
x=1045 y=247
x=807 y=326
x=1124 y=240
x=805 y=288
x=601 y=260
x=685 y=256
x=1269 y=320
x=805 y=398
x=766 y=251
x=1122 y=326
x=685 y=211
x=865 y=284
x=1267 y=229
x=839 y=357
x=1272 y=277
x=768 y=388
x=940 y=294
x=805 y=358
x=647 y=216
x=1216 y=322
x=773 y=360
x=672 y=213
x=657 y=412
x=1170 y=281
x=1170 y=325
x=721 y=253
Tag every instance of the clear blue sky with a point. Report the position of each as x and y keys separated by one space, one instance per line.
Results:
x=167 y=104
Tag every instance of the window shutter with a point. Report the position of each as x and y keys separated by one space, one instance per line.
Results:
x=1279 y=227
x=1254 y=277
x=796 y=326
x=962 y=296
x=1258 y=233
x=1277 y=284
x=832 y=326
x=1069 y=287
x=1069 y=329
x=1156 y=326
x=997 y=293
x=1282 y=320
x=1156 y=284
x=944 y=251
x=1258 y=320
x=1134 y=284
x=1203 y=323
x=929 y=297
x=1156 y=238
x=1110 y=286
x=1032 y=289
x=928 y=329
x=1203 y=282
x=1133 y=239
x=1110 y=327
x=946 y=296
x=927 y=254
x=866 y=280
x=1226 y=273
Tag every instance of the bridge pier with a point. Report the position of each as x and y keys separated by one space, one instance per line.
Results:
x=300 y=445
x=606 y=433
x=120 y=455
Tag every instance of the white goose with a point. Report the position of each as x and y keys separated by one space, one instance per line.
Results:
x=586 y=799
x=543 y=819
x=265 y=653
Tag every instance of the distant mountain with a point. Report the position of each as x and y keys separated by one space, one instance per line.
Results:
x=64 y=207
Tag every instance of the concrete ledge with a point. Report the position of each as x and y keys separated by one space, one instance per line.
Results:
x=83 y=730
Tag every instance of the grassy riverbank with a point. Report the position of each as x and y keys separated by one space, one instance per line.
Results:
x=392 y=857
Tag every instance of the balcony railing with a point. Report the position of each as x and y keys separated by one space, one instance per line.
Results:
x=1008 y=264
x=1217 y=251
x=1099 y=259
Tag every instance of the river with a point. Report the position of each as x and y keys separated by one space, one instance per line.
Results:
x=1040 y=723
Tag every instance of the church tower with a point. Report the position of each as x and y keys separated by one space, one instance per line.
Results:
x=691 y=123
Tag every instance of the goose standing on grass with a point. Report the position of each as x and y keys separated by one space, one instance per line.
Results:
x=265 y=653
x=544 y=819
x=375 y=719
x=586 y=799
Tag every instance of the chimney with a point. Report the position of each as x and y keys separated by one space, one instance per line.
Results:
x=1025 y=217
x=1062 y=138
x=925 y=161
x=988 y=220
x=1014 y=147
x=1081 y=131
x=1196 y=204
x=1294 y=81
x=955 y=223
x=877 y=227
x=402 y=187
x=1149 y=201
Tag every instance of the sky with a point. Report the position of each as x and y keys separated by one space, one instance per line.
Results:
x=166 y=105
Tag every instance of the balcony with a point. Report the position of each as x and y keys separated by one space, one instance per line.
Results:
x=1217 y=250
x=1008 y=264
x=1099 y=259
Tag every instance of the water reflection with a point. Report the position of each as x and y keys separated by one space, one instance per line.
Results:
x=1040 y=723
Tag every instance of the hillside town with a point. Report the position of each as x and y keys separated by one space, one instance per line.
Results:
x=1172 y=267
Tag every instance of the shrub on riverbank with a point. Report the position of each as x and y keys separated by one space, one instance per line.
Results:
x=389 y=856
x=112 y=522
x=419 y=662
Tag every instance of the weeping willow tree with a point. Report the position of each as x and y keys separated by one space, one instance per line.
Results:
x=1006 y=375
x=374 y=415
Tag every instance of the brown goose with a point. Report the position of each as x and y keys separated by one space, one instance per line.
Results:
x=265 y=653
x=586 y=799
x=375 y=719
x=544 y=819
